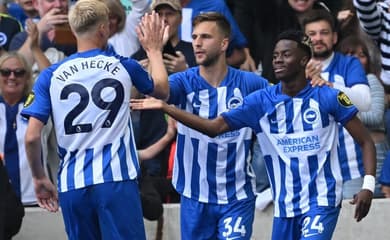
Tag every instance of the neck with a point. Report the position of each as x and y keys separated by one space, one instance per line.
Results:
x=12 y=99
x=85 y=44
x=292 y=87
x=214 y=73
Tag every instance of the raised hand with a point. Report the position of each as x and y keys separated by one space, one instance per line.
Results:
x=33 y=33
x=54 y=17
x=150 y=32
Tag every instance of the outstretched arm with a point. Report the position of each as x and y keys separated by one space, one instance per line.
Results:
x=212 y=127
x=361 y=135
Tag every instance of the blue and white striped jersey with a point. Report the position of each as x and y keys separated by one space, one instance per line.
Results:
x=12 y=130
x=88 y=96
x=346 y=71
x=298 y=137
x=213 y=170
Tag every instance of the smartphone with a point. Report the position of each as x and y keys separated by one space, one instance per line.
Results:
x=64 y=35
x=168 y=48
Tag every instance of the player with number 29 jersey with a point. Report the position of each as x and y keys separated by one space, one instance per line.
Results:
x=89 y=117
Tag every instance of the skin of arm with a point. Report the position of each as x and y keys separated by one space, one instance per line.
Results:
x=151 y=32
x=45 y=191
x=212 y=127
x=361 y=135
x=157 y=147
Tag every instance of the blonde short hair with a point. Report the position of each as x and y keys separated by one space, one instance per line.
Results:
x=28 y=76
x=85 y=15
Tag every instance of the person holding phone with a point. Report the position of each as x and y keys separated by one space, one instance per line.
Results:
x=178 y=54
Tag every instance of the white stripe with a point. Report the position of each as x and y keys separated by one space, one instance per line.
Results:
x=186 y=24
x=78 y=170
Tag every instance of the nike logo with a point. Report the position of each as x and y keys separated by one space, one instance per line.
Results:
x=274 y=121
x=231 y=238
x=196 y=105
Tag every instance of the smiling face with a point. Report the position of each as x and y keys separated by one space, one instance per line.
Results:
x=14 y=84
x=287 y=60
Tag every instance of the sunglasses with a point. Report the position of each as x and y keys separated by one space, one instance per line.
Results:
x=5 y=72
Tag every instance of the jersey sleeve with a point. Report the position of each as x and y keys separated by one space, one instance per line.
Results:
x=141 y=79
x=355 y=73
x=340 y=106
x=38 y=103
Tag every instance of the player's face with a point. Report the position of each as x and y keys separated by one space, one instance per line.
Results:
x=171 y=17
x=322 y=38
x=208 y=43
x=13 y=78
x=286 y=60
x=44 y=6
x=301 y=5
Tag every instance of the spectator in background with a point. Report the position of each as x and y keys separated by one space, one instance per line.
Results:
x=344 y=73
x=374 y=118
x=15 y=84
x=374 y=17
x=9 y=27
x=124 y=38
x=253 y=18
x=22 y=10
x=11 y=209
x=52 y=14
x=238 y=52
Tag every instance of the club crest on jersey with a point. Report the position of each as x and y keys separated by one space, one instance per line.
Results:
x=30 y=99
x=234 y=102
x=344 y=99
x=311 y=115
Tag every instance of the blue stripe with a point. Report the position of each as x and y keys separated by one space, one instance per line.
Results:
x=70 y=170
x=343 y=157
x=133 y=151
x=297 y=186
x=289 y=108
x=212 y=153
x=195 y=170
x=180 y=163
x=271 y=174
x=213 y=103
x=230 y=171
x=11 y=148
x=313 y=167
x=248 y=181
x=88 y=170
x=122 y=159
x=330 y=181
x=273 y=123
x=283 y=192
x=61 y=155
x=107 y=171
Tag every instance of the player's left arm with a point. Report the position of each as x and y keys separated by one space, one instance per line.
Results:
x=361 y=135
x=44 y=190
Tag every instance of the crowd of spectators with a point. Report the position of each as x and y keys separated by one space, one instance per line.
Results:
x=35 y=34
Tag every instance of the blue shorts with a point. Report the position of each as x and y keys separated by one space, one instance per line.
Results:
x=216 y=221
x=316 y=224
x=103 y=211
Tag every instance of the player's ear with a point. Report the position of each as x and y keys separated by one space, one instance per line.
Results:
x=225 y=44
x=304 y=60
